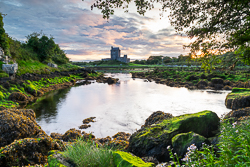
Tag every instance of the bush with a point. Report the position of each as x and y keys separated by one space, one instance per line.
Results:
x=87 y=153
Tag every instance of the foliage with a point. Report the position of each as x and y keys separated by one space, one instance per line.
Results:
x=3 y=37
x=46 y=49
x=215 y=25
x=233 y=148
x=88 y=153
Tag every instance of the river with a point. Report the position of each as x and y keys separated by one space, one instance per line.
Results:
x=121 y=107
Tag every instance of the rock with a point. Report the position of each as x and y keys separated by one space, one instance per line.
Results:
x=156 y=117
x=238 y=98
x=104 y=140
x=182 y=141
x=226 y=87
x=153 y=140
x=218 y=86
x=202 y=85
x=217 y=81
x=124 y=159
x=84 y=126
x=6 y=85
x=71 y=135
x=56 y=136
x=237 y=115
x=56 y=159
x=88 y=120
x=111 y=80
x=192 y=77
x=121 y=136
x=240 y=84
x=18 y=124
x=28 y=151
x=88 y=135
x=18 y=97
x=203 y=76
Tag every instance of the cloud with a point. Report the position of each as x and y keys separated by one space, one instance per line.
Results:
x=85 y=35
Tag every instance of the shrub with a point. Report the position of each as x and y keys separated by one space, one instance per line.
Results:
x=87 y=153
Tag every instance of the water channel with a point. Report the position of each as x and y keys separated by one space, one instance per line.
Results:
x=121 y=107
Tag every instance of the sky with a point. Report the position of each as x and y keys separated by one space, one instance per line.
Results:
x=83 y=33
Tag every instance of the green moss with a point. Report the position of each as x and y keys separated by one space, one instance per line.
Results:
x=52 y=161
x=184 y=123
x=238 y=93
x=1 y=95
x=124 y=159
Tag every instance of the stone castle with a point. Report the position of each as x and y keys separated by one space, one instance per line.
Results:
x=115 y=54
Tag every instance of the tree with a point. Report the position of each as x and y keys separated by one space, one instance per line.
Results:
x=46 y=48
x=4 y=44
x=217 y=26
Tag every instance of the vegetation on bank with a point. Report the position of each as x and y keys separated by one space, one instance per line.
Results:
x=196 y=75
x=231 y=150
x=30 y=88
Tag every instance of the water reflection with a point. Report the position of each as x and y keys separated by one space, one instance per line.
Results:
x=120 y=107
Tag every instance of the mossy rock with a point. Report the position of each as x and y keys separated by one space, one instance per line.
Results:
x=124 y=159
x=56 y=159
x=157 y=117
x=182 y=141
x=71 y=135
x=153 y=140
x=18 y=124
x=18 y=97
x=238 y=115
x=238 y=98
x=28 y=151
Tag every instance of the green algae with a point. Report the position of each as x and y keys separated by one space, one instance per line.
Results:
x=124 y=159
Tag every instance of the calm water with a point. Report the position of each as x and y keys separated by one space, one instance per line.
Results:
x=120 y=107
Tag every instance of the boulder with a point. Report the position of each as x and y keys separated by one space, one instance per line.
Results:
x=57 y=159
x=28 y=151
x=56 y=136
x=218 y=86
x=124 y=159
x=18 y=124
x=237 y=115
x=156 y=117
x=71 y=135
x=153 y=140
x=217 y=81
x=238 y=98
x=202 y=85
x=182 y=141
x=18 y=97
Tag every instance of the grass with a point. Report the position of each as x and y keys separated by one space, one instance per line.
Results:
x=89 y=154
x=233 y=148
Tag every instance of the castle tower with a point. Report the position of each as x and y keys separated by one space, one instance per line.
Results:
x=115 y=53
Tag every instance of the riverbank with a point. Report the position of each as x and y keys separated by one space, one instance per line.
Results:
x=154 y=124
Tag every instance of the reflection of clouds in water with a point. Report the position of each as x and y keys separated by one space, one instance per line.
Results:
x=125 y=106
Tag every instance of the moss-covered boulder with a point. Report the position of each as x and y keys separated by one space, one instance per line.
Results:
x=18 y=97
x=156 y=117
x=18 y=124
x=124 y=159
x=56 y=159
x=238 y=98
x=153 y=140
x=28 y=151
x=182 y=141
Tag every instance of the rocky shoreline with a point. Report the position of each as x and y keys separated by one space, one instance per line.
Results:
x=24 y=143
